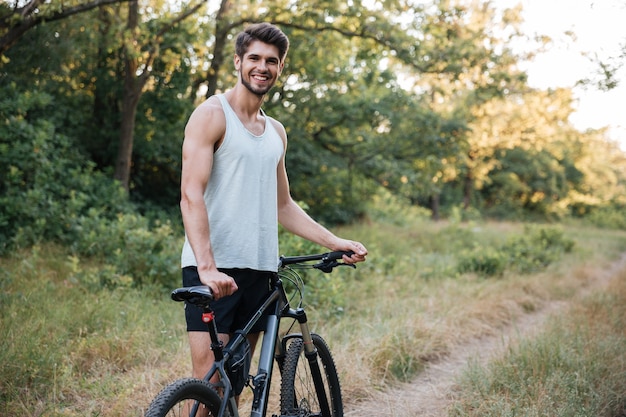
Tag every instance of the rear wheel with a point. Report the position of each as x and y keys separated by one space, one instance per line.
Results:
x=178 y=398
x=300 y=394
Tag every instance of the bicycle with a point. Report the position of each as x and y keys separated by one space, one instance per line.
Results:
x=309 y=380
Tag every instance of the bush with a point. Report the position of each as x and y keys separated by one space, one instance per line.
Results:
x=608 y=217
x=536 y=248
x=483 y=261
x=130 y=246
x=51 y=194
x=530 y=252
x=49 y=185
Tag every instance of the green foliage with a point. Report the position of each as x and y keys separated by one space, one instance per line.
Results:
x=385 y=207
x=536 y=248
x=530 y=252
x=527 y=182
x=610 y=217
x=134 y=251
x=52 y=193
x=483 y=261
x=160 y=125
x=404 y=106
x=49 y=185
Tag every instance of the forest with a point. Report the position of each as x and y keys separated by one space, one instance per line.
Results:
x=412 y=128
x=416 y=103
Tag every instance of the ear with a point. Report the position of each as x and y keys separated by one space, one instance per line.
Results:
x=237 y=62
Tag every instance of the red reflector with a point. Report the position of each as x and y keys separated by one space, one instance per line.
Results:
x=207 y=317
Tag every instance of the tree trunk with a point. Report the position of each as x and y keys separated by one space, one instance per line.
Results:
x=222 y=28
x=134 y=83
x=132 y=92
x=468 y=188
x=434 y=206
x=127 y=127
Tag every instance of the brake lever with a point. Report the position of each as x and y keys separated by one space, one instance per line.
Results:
x=327 y=267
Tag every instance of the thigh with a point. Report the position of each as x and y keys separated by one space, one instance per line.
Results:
x=256 y=288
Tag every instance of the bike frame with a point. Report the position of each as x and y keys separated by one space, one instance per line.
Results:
x=270 y=349
x=273 y=347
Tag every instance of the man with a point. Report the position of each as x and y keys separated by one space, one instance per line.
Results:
x=235 y=191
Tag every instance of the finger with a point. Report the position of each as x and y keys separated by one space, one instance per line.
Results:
x=357 y=258
x=215 y=289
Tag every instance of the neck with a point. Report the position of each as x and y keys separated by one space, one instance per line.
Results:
x=244 y=101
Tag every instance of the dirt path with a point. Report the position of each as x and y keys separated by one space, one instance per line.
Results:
x=430 y=393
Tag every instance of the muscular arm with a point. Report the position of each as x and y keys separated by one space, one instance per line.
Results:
x=203 y=132
x=297 y=221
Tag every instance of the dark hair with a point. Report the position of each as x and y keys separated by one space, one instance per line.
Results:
x=264 y=32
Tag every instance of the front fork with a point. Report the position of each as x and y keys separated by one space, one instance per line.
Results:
x=310 y=352
x=272 y=349
x=300 y=315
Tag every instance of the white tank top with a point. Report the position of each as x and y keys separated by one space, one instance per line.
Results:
x=241 y=198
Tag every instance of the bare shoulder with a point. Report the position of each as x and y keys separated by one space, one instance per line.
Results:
x=207 y=122
x=279 y=128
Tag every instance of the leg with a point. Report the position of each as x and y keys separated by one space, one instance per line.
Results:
x=252 y=339
x=201 y=354
x=202 y=360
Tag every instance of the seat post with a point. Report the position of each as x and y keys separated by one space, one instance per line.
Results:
x=208 y=316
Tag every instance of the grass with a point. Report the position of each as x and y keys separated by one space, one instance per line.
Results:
x=576 y=367
x=70 y=351
x=71 y=348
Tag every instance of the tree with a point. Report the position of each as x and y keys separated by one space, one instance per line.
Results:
x=462 y=63
x=15 y=21
x=139 y=58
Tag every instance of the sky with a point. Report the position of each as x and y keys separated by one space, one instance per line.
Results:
x=600 y=28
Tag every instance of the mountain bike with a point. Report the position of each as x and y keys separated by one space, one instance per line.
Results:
x=309 y=383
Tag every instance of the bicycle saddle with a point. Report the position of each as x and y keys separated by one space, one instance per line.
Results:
x=200 y=295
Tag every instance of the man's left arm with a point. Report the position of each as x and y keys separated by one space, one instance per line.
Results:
x=293 y=218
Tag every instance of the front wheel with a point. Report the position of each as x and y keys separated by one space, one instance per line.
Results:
x=310 y=386
x=182 y=396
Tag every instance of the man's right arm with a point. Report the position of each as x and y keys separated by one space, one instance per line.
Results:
x=204 y=130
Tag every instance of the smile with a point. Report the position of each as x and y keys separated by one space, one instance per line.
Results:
x=260 y=77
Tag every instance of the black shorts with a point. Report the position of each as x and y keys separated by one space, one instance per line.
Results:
x=232 y=312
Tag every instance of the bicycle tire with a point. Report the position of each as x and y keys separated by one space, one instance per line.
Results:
x=170 y=402
x=298 y=394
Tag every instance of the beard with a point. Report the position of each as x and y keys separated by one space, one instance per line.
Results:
x=260 y=92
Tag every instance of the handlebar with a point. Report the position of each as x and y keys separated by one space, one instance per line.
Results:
x=328 y=260
x=201 y=295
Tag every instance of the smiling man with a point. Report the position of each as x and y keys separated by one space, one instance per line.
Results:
x=235 y=191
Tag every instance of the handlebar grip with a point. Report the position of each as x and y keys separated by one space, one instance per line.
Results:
x=336 y=255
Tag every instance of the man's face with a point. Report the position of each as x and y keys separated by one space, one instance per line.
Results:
x=259 y=68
